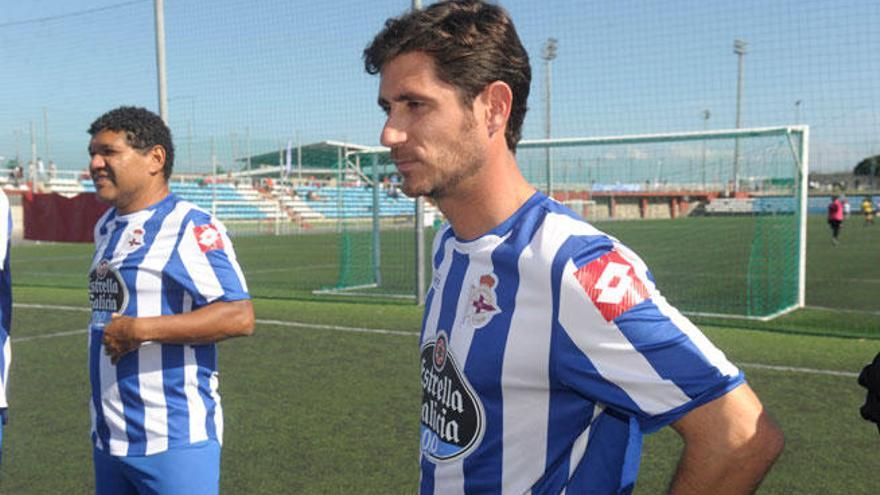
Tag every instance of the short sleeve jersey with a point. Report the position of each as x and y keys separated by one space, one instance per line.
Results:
x=167 y=259
x=546 y=353
x=5 y=296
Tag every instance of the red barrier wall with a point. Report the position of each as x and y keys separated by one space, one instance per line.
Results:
x=52 y=217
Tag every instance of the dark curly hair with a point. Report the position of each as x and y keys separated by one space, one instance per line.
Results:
x=473 y=44
x=143 y=130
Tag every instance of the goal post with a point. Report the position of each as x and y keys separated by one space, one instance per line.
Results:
x=719 y=216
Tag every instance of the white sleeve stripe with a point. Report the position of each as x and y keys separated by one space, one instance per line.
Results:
x=713 y=354
x=611 y=352
x=198 y=267
x=700 y=341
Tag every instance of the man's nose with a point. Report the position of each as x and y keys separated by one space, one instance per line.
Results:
x=392 y=134
x=96 y=162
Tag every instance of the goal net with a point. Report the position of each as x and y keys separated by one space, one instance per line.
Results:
x=718 y=216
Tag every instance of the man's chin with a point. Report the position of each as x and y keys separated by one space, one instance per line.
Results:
x=104 y=195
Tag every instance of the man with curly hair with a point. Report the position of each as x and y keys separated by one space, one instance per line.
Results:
x=164 y=287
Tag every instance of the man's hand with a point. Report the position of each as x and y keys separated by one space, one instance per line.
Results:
x=870 y=379
x=120 y=337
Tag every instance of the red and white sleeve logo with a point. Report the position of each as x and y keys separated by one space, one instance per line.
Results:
x=612 y=285
x=208 y=237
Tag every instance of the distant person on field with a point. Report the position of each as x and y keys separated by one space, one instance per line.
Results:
x=847 y=209
x=835 y=218
x=546 y=351
x=164 y=287
x=868 y=211
x=5 y=308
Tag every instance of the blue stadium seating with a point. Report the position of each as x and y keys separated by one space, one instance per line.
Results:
x=203 y=195
x=353 y=202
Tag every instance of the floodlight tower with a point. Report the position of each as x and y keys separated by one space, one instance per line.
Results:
x=739 y=48
x=706 y=114
x=159 y=7
x=548 y=53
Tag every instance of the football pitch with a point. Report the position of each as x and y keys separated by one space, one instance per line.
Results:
x=324 y=397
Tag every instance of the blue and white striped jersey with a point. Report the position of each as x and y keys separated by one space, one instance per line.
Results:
x=167 y=259
x=5 y=296
x=546 y=352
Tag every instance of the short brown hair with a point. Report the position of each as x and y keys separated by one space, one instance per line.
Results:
x=473 y=44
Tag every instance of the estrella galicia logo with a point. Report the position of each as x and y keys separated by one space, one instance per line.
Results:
x=453 y=420
x=107 y=290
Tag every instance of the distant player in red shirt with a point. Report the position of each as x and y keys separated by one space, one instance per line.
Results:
x=835 y=218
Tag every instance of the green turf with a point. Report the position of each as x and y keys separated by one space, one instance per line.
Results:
x=700 y=264
x=314 y=409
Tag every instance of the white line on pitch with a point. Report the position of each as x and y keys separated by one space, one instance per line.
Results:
x=337 y=328
x=50 y=306
x=811 y=371
x=382 y=331
x=16 y=340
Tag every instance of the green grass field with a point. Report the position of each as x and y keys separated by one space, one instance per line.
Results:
x=324 y=397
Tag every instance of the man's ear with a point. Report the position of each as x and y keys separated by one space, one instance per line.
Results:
x=157 y=160
x=498 y=98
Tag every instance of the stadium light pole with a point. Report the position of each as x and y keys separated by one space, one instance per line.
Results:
x=46 y=133
x=739 y=48
x=32 y=167
x=706 y=115
x=548 y=53
x=160 y=59
x=420 y=228
x=18 y=147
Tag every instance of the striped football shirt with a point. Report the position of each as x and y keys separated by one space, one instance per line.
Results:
x=546 y=353
x=167 y=259
x=5 y=296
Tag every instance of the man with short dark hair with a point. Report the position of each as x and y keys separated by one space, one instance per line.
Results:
x=164 y=286
x=547 y=350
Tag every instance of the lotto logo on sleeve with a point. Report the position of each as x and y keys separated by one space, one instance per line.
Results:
x=611 y=284
x=208 y=237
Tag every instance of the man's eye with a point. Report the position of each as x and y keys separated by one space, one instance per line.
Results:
x=414 y=104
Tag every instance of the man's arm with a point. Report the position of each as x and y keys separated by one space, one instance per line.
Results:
x=730 y=444
x=217 y=321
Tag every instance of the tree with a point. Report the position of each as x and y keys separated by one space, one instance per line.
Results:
x=869 y=166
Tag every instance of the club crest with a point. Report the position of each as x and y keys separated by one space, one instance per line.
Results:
x=483 y=302
x=133 y=240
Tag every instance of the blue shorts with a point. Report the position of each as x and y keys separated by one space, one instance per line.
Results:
x=191 y=470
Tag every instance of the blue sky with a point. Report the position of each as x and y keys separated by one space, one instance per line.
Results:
x=275 y=70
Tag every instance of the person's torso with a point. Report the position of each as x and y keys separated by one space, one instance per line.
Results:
x=158 y=396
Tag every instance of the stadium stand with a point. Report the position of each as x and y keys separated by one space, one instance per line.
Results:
x=310 y=202
x=233 y=202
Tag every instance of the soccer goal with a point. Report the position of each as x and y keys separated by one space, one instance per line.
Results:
x=719 y=216
x=377 y=245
